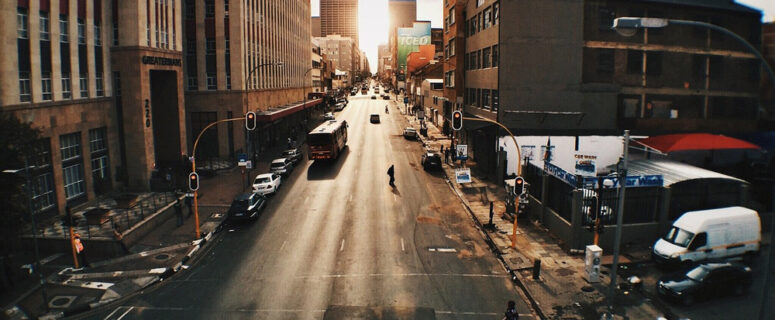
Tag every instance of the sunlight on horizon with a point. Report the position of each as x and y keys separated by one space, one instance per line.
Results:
x=372 y=28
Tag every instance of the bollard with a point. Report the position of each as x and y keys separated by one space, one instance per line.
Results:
x=537 y=269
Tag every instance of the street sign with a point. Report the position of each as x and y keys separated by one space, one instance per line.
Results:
x=463 y=175
x=586 y=164
x=461 y=152
x=242 y=157
x=249 y=164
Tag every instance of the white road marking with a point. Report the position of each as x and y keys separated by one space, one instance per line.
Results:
x=394 y=197
x=125 y=313
x=341 y=247
x=351 y=198
x=432 y=249
x=446 y=250
x=283 y=245
x=114 y=311
x=51 y=258
x=402 y=245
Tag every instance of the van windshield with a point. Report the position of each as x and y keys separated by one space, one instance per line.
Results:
x=679 y=237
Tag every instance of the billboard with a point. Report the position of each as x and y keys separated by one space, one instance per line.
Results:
x=410 y=40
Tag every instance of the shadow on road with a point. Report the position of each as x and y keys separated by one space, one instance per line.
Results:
x=327 y=170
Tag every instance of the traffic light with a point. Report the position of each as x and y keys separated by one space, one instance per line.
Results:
x=250 y=120
x=519 y=186
x=457 y=120
x=193 y=181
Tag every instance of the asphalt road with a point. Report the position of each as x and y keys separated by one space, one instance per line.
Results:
x=337 y=242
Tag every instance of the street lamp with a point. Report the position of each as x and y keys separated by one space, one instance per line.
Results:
x=28 y=191
x=627 y=26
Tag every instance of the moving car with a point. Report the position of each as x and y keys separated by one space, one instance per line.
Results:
x=246 y=206
x=374 y=118
x=431 y=160
x=328 y=116
x=294 y=155
x=373 y=97
x=266 y=183
x=385 y=97
x=710 y=234
x=282 y=166
x=410 y=133
x=705 y=281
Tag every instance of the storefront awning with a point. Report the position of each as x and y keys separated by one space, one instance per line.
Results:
x=276 y=113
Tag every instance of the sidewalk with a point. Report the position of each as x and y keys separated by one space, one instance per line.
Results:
x=561 y=290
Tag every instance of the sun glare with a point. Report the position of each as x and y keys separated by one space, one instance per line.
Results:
x=372 y=28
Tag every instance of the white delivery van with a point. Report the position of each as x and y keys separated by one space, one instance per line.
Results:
x=710 y=234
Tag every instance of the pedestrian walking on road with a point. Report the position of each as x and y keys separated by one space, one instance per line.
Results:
x=511 y=311
x=446 y=156
x=391 y=173
x=179 y=213
x=441 y=149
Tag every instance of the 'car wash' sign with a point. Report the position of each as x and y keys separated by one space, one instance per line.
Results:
x=632 y=181
x=161 y=61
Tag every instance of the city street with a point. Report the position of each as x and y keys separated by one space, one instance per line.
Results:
x=337 y=242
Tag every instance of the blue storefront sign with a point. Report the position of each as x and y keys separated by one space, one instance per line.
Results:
x=632 y=181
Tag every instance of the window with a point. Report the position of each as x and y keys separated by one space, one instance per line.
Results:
x=227 y=49
x=148 y=35
x=212 y=83
x=191 y=47
x=479 y=22
x=97 y=140
x=716 y=67
x=495 y=102
x=73 y=176
x=45 y=86
x=226 y=7
x=81 y=32
x=22 y=31
x=495 y=13
x=606 y=18
x=84 y=83
x=210 y=46
x=190 y=10
x=479 y=59
x=634 y=61
x=479 y=3
x=487 y=22
x=486 y=58
x=192 y=84
x=117 y=84
x=164 y=39
x=44 y=31
x=449 y=79
x=654 y=63
x=99 y=167
x=605 y=61
x=228 y=80
x=472 y=26
x=100 y=85
x=451 y=17
x=43 y=196
x=64 y=37
x=209 y=8
x=451 y=47
x=25 y=95
x=115 y=34
x=97 y=35
x=495 y=56
x=70 y=146
x=66 y=86
x=486 y=98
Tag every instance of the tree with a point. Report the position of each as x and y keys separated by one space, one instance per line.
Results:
x=18 y=141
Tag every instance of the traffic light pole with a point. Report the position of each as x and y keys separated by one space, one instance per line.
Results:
x=519 y=170
x=193 y=169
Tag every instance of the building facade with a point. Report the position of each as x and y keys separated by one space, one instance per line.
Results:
x=343 y=52
x=316 y=27
x=401 y=14
x=454 y=42
x=339 y=17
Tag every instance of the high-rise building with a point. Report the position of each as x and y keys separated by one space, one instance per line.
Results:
x=343 y=52
x=119 y=88
x=402 y=13
x=316 y=27
x=339 y=17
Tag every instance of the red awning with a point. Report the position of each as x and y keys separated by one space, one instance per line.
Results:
x=276 y=113
x=695 y=141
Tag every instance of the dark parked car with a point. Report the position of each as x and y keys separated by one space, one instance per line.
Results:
x=705 y=281
x=246 y=207
x=294 y=155
x=431 y=160
x=373 y=97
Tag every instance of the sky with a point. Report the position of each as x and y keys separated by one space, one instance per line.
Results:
x=373 y=20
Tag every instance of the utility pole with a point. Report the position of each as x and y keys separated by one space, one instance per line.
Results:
x=622 y=175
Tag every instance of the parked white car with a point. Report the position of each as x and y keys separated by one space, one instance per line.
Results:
x=266 y=183
x=282 y=166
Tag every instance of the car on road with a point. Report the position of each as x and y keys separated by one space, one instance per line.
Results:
x=374 y=118
x=385 y=97
x=705 y=281
x=339 y=106
x=328 y=116
x=295 y=155
x=282 y=166
x=410 y=133
x=246 y=206
x=431 y=160
x=266 y=183
x=373 y=97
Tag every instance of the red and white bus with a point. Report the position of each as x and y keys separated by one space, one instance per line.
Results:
x=327 y=140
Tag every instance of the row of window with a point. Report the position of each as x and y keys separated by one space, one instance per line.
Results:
x=25 y=88
x=482 y=59
x=482 y=98
x=22 y=28
x=654 y=64
x=484 y=19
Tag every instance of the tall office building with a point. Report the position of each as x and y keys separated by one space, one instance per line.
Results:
x=339 y=17
x=402 y=13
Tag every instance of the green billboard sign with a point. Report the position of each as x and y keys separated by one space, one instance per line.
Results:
x=410 y=39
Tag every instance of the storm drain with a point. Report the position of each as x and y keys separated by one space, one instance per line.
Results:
x=61 y=302
x=162 y=257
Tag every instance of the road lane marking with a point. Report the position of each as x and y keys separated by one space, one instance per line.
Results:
x=351 y=198
x=283 y=245
x=114 y=312
x=125 y=313
x=402 y=245
x=341 y=247
x=446 y=250
x=394 y=197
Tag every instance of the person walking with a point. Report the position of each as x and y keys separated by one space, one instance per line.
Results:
x=391 y=173
x=179 y=212
x=441 y=148
x=189 y=203
x=446 y=156
x=119 y=237
x=511 y=311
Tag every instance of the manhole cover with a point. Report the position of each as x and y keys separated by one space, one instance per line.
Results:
x=587 y=289
x=162 y=257
x=61 y=301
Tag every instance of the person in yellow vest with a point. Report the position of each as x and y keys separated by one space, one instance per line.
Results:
x=79 y=249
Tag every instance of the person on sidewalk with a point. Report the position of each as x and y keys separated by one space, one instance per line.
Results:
x=446 y=155
x=119 y=237
x=80 y=251
x=391 y=173
x=511 y=311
